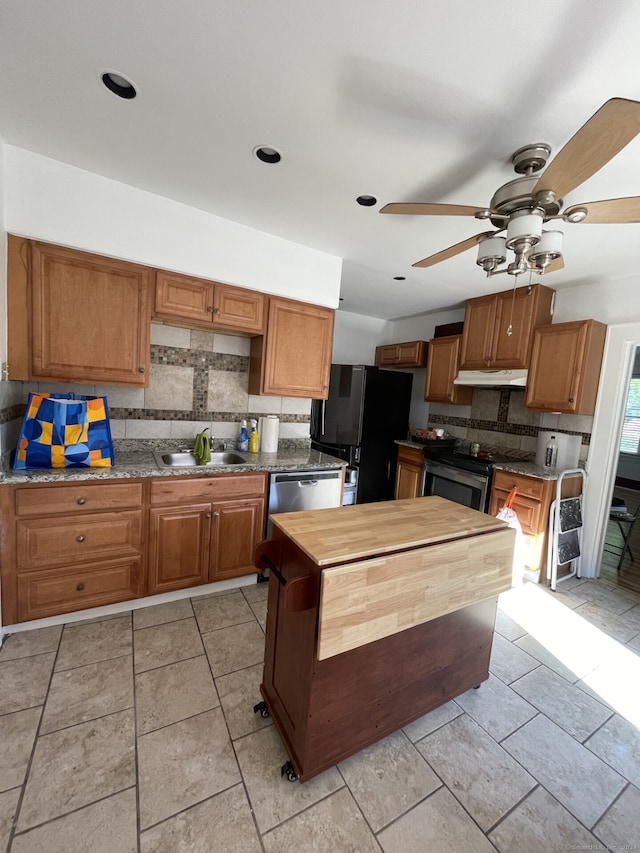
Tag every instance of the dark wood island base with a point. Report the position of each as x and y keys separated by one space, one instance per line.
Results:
x=328 y=709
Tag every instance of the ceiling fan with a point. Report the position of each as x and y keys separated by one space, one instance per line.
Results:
x=522 y=206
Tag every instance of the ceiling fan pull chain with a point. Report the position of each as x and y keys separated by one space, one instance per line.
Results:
x=513 y=300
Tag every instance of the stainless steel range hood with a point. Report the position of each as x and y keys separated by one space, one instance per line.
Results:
x=492 y=378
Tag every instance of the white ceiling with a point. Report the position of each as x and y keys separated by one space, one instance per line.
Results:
x=417 y=100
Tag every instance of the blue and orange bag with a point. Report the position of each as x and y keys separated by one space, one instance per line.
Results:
x=65 y=431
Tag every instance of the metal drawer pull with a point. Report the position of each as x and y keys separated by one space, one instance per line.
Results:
x=80 y=538
x=80 y=587
x=82 y=501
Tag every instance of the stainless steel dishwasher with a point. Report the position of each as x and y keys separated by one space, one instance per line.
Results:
x=297 y=490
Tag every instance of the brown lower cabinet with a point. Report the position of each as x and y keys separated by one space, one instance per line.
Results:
x=72 y=546
x=532 y=503
x=410 y=472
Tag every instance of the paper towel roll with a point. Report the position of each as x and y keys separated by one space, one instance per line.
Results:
x=269 y=434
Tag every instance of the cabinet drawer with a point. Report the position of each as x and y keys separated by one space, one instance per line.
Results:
x=531 y=487
x=50 y=593
x=58 y=541
x=169 y=490
x=411 y=455
x=528 y=510
x=79 y=497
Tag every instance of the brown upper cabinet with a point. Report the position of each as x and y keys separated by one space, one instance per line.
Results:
x=442 y=369
x=498 y=329
x=565 y=367
x=76 y=317
x=195 y=301
x=293 y=359
x=410 y=354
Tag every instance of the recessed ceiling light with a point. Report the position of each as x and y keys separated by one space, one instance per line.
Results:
x=119 y=85
x=367 y=200
x=399 y=278
x=267 y=154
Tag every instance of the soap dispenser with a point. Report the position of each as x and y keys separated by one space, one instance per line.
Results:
x=243 y=443
x=253 y=437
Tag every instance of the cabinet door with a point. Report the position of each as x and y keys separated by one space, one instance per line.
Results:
x=237 y=528
x=297 y=350
x=185 y=298
x=408 y=481
x=90 y=318
x=238 y=309
x=515 y=311
x=477 y=335
x=179 y=540
x=442 y=370
x=565 y=367
x=386 y=355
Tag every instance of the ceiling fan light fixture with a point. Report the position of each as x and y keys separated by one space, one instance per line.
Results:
x=525 y=227
x=548 y=248
x=491 y=252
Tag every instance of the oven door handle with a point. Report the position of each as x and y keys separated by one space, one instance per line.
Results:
x=451 y=472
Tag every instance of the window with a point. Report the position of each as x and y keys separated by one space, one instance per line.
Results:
x=630 y=441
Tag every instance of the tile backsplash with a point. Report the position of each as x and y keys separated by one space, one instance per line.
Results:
x=498 y=421
x=197 y=379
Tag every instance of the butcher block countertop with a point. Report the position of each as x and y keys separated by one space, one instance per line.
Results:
x=330 y=536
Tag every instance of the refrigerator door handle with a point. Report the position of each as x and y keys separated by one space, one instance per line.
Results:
x=324 y=403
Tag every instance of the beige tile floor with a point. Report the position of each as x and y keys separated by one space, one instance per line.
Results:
x=136 y=733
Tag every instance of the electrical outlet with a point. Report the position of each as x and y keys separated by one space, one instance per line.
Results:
x=4 y=374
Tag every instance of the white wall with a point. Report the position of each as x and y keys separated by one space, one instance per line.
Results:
x=355 y=337
x=51 y=201
x=611 y=302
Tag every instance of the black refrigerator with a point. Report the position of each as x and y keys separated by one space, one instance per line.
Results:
x=366 y=411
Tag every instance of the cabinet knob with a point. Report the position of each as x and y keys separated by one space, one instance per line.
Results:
x=80 y=587
x=141 y=370
x=210 y=309
x=216 y=310
x=207 y=515
x=80 y=538
x=82 y=501
x=571 y=399
x=216 y=514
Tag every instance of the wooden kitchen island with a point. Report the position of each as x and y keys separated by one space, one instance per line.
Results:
x=377 y=614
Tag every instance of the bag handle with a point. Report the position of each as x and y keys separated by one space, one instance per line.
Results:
x=511 y=497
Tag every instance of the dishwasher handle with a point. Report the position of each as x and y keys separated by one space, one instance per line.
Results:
x=305 y=483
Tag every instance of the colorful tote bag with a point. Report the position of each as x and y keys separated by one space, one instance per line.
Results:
x=65 y=431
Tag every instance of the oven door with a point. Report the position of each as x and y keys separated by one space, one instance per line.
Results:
x=462 y=487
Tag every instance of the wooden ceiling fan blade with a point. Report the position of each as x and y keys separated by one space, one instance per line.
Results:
x=554 y=266
x=425 y=209
x=614 y=211
x=606 y=133
x=445 y=254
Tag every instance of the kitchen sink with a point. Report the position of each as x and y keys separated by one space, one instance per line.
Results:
x=185 y=459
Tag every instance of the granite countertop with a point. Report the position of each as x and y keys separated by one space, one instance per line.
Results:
x=515 y=466
x=528 y=468
x=141 y=463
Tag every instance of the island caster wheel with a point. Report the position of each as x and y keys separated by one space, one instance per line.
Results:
x=476 y=687
x=288 y=771
x=262 y=708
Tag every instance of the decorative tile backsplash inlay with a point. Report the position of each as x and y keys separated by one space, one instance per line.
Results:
x=497 y=420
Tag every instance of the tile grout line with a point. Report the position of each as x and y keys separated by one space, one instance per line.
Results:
x=14 y=824
x=509 y=811
x=235 y=754
x=608 y=809
x=73 y=811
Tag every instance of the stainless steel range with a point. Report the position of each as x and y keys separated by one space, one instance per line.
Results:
x=460 y=477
